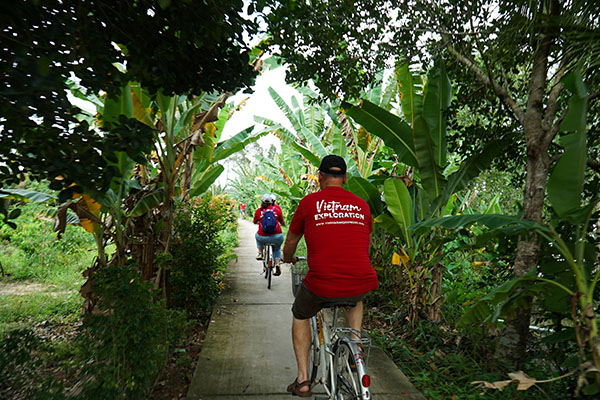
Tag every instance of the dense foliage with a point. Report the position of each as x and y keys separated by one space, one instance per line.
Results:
x=118 y=351
x=177 y=47
x=203 y=230
x=125 y=345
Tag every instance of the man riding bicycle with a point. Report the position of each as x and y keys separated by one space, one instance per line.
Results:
x=337 y=227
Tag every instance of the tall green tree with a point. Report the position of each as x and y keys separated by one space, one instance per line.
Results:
x=176 y=46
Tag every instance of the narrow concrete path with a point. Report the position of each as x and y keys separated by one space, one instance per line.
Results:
x=247 y=353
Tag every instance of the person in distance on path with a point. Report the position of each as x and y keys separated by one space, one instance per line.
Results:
x=276 y=236
x=337 y=227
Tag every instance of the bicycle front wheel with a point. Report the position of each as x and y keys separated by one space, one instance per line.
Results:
x=269 y=274
x=348 y=374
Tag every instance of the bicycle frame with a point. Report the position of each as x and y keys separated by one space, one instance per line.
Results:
x=326 y=342
x=329 y=345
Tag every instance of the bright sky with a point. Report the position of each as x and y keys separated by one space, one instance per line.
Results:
x=260 y=104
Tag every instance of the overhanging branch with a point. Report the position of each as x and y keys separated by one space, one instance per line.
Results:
x=500 y=91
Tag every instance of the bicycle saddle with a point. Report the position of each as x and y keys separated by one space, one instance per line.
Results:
x=344 y=304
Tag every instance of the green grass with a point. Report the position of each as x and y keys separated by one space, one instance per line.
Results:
x=27 y=309
x=33 y=252
x=43 y=273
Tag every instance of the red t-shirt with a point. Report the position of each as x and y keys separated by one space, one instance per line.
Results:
x=336 y=225
x=258 y=217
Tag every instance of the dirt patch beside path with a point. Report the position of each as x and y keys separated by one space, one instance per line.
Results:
x=22 y=288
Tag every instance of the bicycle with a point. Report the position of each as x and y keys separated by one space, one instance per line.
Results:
x=338 y=350
x=268 y=262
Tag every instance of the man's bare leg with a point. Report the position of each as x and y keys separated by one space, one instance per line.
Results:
x=301 y=341
x=354 y=316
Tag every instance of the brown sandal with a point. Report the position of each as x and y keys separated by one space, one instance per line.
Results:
x=294 y=388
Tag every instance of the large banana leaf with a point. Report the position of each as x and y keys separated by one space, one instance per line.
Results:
x=224 y=115
x=410 y=99
x=185 y=120
x=432 y=179
x=391 y=90
x=140 y=102
x=25 y=195
x=207 y=178
x=437 y=95
x=469 y=169
x=147 y=203
x=367 y=191
x=507 y=224
x=287 y=111
x=338 y=146
x=575 y=120
x=116 y=106
x=399 y=205
x=315 y=119
x=315 y=143
x=289 y=139
x=299 y=114
x=387 y=222
x=236 y=143
x=565 y=184
x=394 y=131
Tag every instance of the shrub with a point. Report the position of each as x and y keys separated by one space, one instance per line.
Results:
x=126 y=343
x=199 y=253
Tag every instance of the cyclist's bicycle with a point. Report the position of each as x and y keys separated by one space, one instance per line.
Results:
x=268 y=262
x=336 y=354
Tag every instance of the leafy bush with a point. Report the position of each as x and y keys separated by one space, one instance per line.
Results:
x=199 y=254
x=126 y=343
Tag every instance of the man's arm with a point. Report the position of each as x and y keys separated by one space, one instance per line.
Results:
x=289 y=247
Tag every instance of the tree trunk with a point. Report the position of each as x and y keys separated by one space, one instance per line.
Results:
x=165 y=239
x=435 y=294
x=186 y=179
x=512 y=345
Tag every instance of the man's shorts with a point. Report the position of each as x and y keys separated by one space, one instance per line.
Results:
x=307 y=304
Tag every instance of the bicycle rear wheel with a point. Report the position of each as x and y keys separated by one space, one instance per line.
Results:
x=266 y=257
x=348 y=374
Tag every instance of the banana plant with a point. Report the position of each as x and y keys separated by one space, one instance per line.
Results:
x=418 y=138
x=566 y=281
x=182 y=130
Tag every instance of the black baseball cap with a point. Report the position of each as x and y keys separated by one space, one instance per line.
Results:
x=333 y=165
